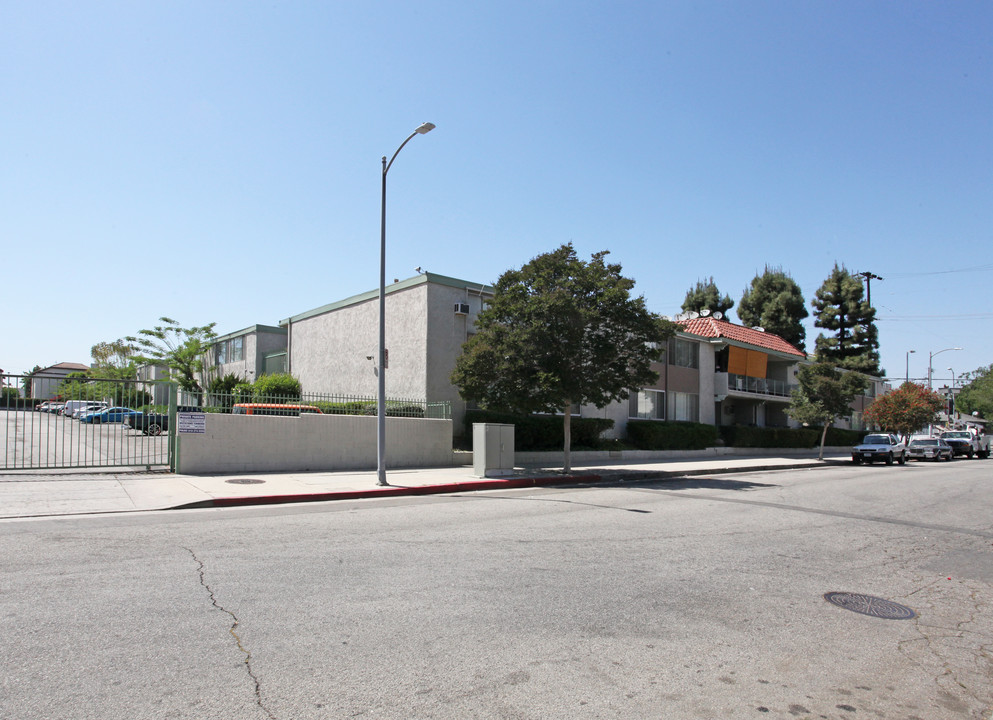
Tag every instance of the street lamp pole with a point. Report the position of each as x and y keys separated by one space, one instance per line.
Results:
x=381 y=369
x=930 y=357
x=908 y=365
x=951 y=396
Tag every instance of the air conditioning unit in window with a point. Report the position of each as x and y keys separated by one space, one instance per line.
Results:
x=461 y=308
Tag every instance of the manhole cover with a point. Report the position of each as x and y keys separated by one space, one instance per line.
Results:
x=245 y=481
x=869 y=605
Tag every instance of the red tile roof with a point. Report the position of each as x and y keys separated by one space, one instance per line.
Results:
x=712 y=328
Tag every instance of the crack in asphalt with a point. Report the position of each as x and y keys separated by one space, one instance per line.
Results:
x=201 y=569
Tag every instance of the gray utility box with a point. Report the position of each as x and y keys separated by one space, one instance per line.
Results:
x=492 y=449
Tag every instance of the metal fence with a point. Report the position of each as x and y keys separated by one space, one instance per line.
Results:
x=327 y=403
x=116 y=423
x=83 y=426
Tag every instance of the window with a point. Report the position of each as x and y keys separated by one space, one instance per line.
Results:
x=684 y=406
x=647 y=405
x=685 y=354
x=229 y=351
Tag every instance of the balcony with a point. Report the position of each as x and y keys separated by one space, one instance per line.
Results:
x=732 y=384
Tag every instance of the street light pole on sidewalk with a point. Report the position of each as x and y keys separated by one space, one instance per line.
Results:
x=381 y=370
x=930 y=358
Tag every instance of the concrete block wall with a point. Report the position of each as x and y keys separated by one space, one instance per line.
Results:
x=244 y=443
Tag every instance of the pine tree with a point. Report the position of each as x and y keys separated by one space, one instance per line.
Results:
x=775 y=303
x=839 y=307
x=706 y=296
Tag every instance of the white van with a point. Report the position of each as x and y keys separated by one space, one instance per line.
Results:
x=74 y=408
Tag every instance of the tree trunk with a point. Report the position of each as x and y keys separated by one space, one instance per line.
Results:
x=820 y=455
x=567 y=444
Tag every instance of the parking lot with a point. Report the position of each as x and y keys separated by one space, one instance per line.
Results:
x=38 y=440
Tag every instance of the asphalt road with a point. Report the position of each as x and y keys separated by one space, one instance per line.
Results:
x=700 y=598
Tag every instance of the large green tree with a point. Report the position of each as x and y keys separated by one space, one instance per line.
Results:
x=823 y=394
x=114 y=360
x=775 y=303
x=907 y=409
x=706 y=296
x=977 y=395
x=180 y=349
x=560 y=333
x=840 y=308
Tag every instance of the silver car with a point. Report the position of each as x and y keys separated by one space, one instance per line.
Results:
x=929 y=449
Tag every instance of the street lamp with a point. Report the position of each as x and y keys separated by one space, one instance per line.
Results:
x=930 y=357
x=908 y=365
x=381 y=393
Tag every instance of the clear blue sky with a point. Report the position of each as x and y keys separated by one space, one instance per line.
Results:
x=220 y=161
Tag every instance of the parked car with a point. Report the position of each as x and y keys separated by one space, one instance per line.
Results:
x=929 y=449
x=967 y=442
x=78 y=413
x=108 y=415
x=880 y=446
x=74 y=408
x=155 y=423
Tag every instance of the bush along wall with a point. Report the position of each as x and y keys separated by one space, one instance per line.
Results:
x=766 y=437
x=542 y=432
x=655 y=435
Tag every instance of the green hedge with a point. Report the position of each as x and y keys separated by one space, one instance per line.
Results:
x=13 y=400
x=542 y=432
x=766 y=437
x=362 y=407
x=656 y=435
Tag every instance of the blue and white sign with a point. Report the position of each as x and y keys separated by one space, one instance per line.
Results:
x=192 y=422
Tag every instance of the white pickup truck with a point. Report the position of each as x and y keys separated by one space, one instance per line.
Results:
x=970 y=442
x=880 y=446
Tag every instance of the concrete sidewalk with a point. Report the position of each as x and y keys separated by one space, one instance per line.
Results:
x=26 y=494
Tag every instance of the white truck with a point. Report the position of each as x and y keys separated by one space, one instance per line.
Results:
x=970 y=441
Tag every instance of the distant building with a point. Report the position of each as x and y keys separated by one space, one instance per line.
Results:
x=248 y=353
x=45 y=382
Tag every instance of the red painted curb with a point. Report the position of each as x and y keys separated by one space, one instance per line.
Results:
x=394 y=491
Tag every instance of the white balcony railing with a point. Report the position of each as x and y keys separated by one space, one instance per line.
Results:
x=730 y=382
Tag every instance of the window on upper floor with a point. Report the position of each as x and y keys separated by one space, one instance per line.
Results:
x=228 y=351
x=685 y=354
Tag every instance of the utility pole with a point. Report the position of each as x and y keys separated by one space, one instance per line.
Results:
x=868 y=277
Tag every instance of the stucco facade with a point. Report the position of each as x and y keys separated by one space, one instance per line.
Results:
x=333 y=349
x=45 y=383
x=248 y=353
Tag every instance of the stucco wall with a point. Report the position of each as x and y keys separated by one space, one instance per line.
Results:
x=330 y=352
x=242 y=443
x=447 y=331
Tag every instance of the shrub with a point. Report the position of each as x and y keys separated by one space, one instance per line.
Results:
x=655 y=435
x=767 y=437
x=281 y=386
x=242 y=393
x=543 y=432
